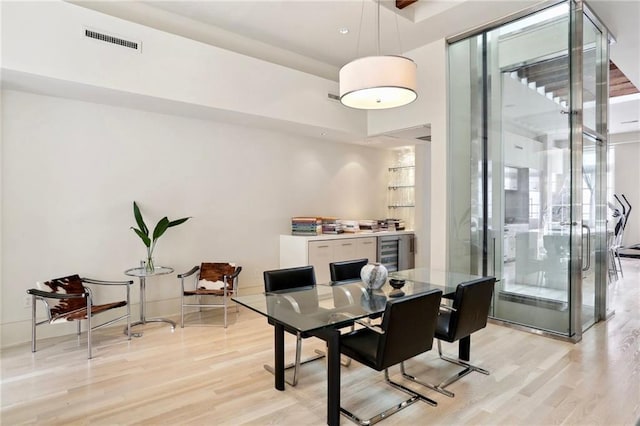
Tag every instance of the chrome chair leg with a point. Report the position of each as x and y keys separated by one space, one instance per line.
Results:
x=295 y=365
x=468 y=368
x=619 y=262
x=344 y=360
x=296 y=368
x=425 y=384
x=182 y=312
x=33 y=323
x=415 y=396
x=225 y=311
x=460 y=362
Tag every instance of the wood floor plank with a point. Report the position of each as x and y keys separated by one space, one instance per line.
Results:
x=204 y=375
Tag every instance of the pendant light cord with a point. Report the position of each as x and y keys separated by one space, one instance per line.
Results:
x=360 y=29
x=398 y=32
x=378 y=33
x=378 y=28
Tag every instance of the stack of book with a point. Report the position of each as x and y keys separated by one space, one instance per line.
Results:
x=395 y=224
x=350 y=226
x=383 y=225
x=306 y=226
x=330 y=225
x=367 y=225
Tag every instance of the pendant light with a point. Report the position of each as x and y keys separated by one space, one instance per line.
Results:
x=378 y=82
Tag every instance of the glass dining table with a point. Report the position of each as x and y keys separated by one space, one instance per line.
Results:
x=324 y=309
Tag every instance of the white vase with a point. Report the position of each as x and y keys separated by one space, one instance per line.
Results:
x=374 y=275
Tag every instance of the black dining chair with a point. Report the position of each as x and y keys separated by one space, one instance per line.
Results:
x=468 y=313
x=290 y=279
x=407 y=329
x=347 y=270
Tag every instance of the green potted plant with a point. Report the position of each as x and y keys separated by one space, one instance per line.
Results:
x=150 y=241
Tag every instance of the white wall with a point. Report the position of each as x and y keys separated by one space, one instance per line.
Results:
x=626 y=157
x=71 y=169
x=431 y=173
x=45 y=40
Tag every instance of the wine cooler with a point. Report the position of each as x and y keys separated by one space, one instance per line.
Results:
x=397 y=252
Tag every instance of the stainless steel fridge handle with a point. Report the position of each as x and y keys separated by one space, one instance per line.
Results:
x=586 y=268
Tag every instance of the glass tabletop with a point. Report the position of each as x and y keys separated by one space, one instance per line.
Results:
x=445 y=280
x=142 y=272
x=312 y=308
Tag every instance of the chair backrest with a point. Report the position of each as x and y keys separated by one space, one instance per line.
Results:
x=216 y=271
x=409 y=326
x=67 y=285
x=290 y=278
x=346 y=270
x=472 y=302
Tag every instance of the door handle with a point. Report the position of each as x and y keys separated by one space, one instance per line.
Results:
x=586 y=268
x=494 y=257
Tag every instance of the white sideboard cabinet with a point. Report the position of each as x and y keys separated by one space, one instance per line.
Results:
x=321 y=250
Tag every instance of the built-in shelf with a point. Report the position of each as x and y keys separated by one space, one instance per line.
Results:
x=401 y=167
x=401 y=189
x=400 y=186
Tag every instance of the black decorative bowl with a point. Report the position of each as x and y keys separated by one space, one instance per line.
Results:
x=397 y=285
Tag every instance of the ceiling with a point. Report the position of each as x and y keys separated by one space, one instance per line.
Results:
x=305 y=34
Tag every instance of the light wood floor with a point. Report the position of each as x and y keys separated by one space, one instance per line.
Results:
x=207 y=376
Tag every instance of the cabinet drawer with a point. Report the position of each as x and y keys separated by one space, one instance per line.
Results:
x=368 y=248
x=345 y=249
x=320 y=255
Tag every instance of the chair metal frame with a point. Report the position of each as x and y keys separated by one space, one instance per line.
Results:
x=226 y=294
x=42 y=295
x=378 y=364
x=297 y=362
x=468 y=367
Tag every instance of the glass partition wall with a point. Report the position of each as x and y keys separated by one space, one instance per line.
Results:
x=527 y=161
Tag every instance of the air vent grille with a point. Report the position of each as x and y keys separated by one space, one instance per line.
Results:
x=111 y=39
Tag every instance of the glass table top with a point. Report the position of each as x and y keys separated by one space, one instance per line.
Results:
x=339 y=304
x=142 y=272
x=445 y=280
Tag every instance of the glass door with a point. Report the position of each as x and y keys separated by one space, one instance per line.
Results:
x=530 y=81
x=526 y=207
x=589 y=226
x=594 y=96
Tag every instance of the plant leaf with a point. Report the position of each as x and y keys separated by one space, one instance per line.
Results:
x=145 y=239
x=139 y=220
x=178 y=221
x=160 y=228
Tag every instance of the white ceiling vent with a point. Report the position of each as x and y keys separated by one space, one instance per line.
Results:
x=103 y=37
